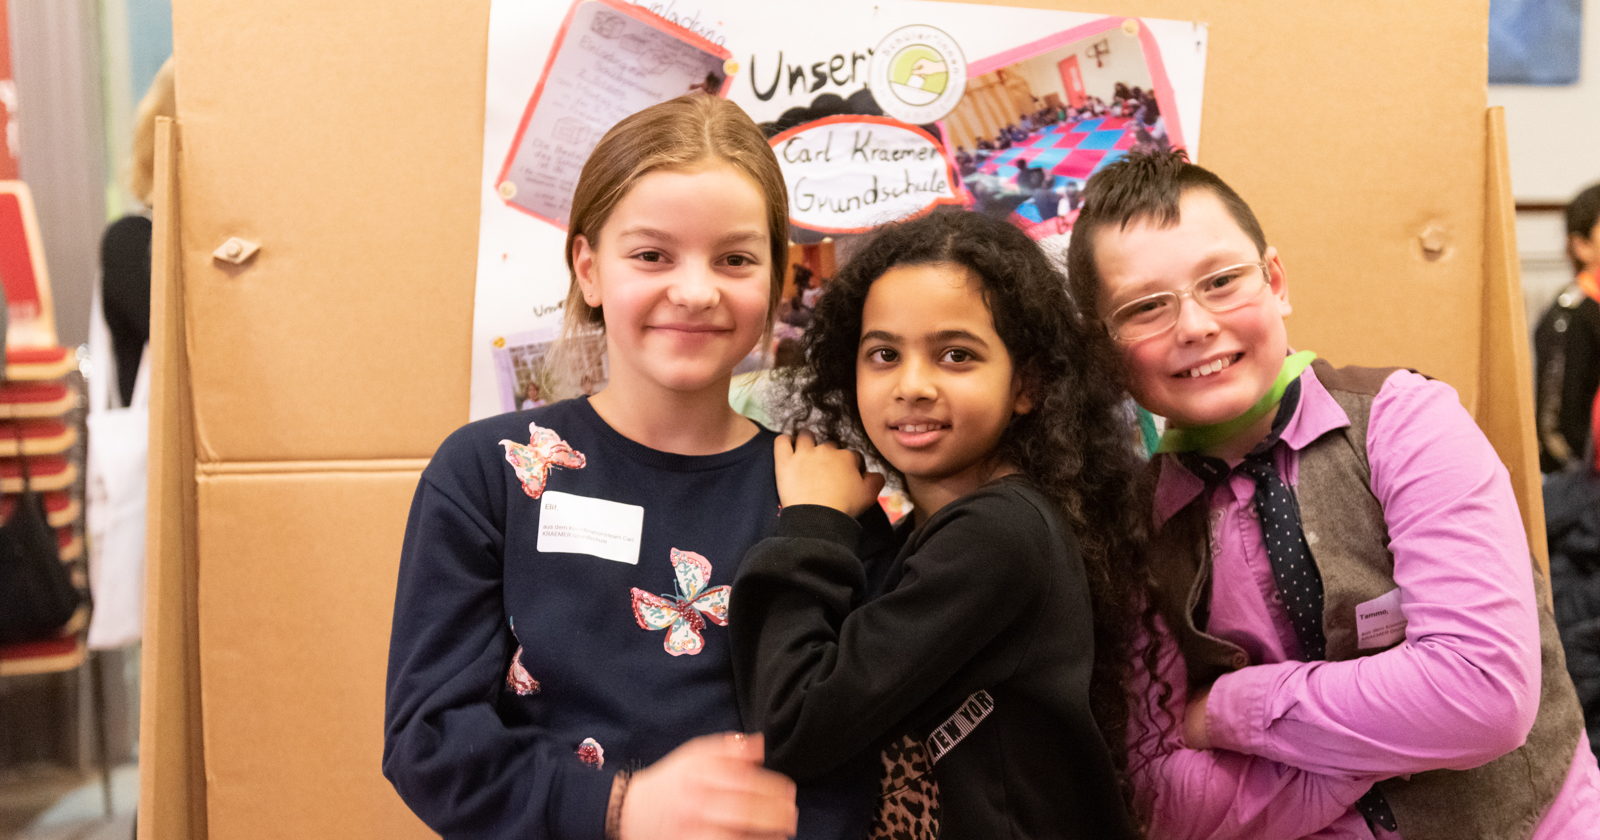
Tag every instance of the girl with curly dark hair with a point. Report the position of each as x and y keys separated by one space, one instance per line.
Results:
x=991 y=667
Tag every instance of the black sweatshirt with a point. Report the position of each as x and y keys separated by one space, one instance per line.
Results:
x=981 y=649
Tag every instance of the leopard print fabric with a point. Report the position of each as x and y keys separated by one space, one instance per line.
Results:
x=908 y=796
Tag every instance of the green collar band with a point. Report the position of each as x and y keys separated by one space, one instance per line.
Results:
x=1207 y=437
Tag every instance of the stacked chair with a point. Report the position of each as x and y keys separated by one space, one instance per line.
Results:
x=40 y=454
x=42 y=448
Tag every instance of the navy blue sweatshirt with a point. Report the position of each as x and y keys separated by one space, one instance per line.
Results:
x=521 y=680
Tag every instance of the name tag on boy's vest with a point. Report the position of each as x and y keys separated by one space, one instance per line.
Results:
x=946 y=735
x=582 y=525
x=1379 y=622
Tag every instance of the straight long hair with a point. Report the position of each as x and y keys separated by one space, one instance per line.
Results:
x=678 y=134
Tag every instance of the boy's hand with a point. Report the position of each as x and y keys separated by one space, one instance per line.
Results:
x=710 y=788
x=1196 y=735
x=811 y=473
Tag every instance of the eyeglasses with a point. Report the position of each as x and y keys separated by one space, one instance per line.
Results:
x=1219 y=291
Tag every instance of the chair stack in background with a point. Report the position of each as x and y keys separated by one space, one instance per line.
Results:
x=41 y=420
x=43 y=449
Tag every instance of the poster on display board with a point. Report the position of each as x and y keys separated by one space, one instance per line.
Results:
x=876 y=112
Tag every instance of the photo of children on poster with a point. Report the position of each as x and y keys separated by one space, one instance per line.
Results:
x=520 y=365
x=1029 y=134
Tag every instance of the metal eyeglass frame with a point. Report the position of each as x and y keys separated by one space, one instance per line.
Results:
x=1188 y=292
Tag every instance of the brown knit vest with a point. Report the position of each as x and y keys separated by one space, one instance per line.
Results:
x=1344 y=527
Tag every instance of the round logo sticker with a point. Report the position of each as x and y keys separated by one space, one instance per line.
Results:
x=918 y=74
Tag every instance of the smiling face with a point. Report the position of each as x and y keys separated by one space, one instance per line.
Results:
x=934 y=382
x=1211 y=366
x=680 y=271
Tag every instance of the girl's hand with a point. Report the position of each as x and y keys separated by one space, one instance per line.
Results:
x=710 y=788
x=811 y=473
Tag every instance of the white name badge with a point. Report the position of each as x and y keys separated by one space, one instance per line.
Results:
x=581 y=525
x=1379 y=622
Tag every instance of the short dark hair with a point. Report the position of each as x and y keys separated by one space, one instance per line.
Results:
x=1143 y=185
x=1582 y=215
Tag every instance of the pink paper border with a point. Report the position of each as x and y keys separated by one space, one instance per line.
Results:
x=636 y=12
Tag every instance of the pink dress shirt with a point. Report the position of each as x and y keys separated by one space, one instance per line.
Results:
x=1297 y=743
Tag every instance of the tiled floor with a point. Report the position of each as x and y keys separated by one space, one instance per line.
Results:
x=46 y=802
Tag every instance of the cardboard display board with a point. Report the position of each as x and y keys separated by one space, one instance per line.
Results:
x=350 y=150
x=280 y=624
x=346 y=140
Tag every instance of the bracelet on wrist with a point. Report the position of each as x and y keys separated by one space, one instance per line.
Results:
x=619 y=791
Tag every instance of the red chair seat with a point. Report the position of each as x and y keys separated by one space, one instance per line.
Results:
x=40 y=436
x=50 y=472
x=60 y=509
x=69 y=544
x=36 y=399
x=37 y=363
x=42 y=657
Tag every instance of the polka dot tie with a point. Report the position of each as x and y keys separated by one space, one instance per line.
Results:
x=1299 y=582
x=1375 y=809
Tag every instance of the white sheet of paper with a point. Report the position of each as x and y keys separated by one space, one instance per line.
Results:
x=1379 y=622
x=583 y=525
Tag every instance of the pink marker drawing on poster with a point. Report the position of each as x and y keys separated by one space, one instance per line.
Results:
x=1095 y=92
x=610 y=59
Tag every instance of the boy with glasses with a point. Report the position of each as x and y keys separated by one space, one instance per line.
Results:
x=1358 y=645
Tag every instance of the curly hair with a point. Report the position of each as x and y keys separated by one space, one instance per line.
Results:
x=1078 y=444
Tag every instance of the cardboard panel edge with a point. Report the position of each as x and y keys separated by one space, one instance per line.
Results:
x=172 y=801
x=1505 y=405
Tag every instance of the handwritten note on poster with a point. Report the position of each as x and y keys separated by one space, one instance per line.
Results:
x=848 y=174
x=611 y=60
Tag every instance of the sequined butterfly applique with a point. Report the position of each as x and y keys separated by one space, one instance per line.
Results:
x=533 y=462
x=591 y=753
x=684 y=614
x=518 y=680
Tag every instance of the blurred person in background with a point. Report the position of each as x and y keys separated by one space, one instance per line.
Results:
x=118 y=421
x=125 y=247
x=1567 y=371
x=1567 y=345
